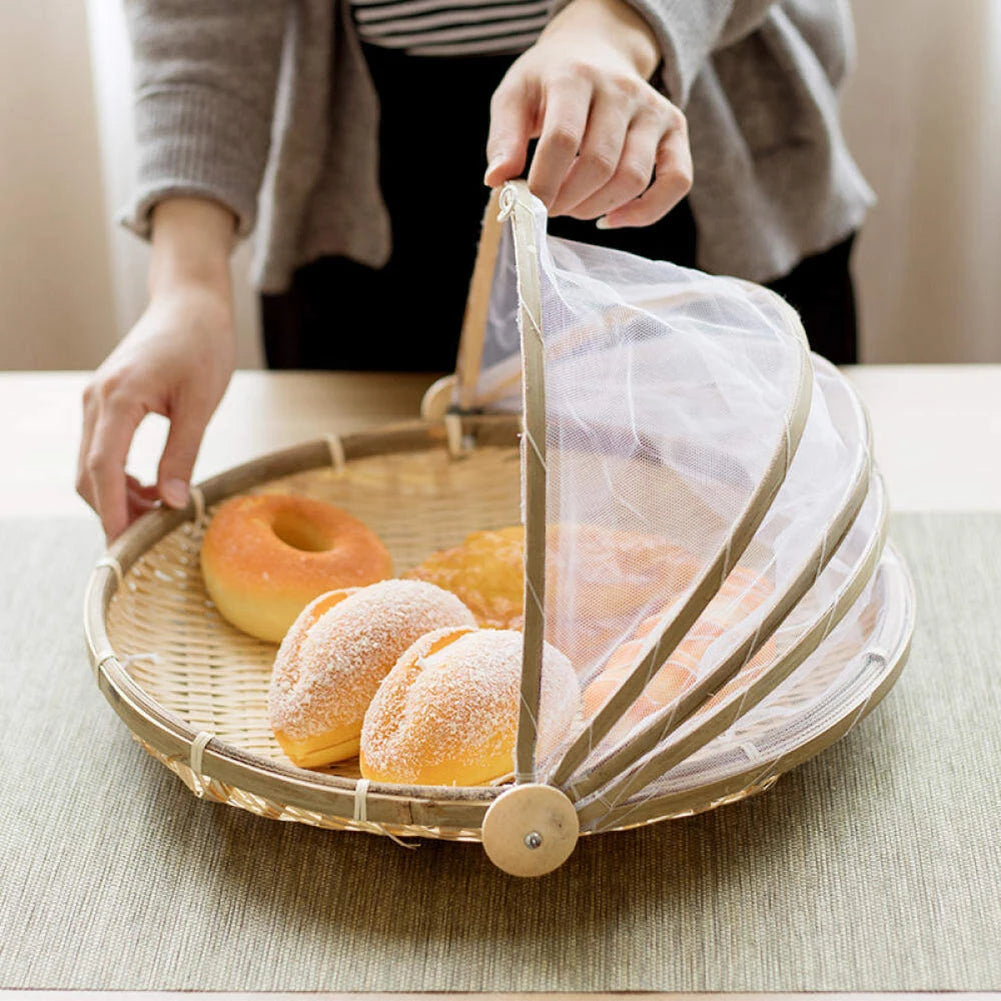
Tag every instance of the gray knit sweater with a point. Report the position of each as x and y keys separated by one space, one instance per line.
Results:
x=268 y=107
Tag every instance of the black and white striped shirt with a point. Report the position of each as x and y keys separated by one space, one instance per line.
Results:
x=451 y=27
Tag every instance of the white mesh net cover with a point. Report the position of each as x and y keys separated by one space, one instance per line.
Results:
x=714 y=531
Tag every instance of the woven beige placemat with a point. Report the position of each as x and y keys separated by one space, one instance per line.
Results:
x=873 y=867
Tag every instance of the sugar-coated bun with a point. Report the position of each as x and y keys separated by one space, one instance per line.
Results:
x=265 y=557
x=338 y=650
x=447 y=713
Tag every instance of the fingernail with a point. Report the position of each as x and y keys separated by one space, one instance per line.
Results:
x=492 y=166
x=175 y=493
x=603 y=223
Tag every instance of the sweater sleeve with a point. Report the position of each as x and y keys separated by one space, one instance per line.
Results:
x=204 y=81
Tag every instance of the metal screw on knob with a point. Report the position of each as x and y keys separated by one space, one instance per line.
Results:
x=533 y=840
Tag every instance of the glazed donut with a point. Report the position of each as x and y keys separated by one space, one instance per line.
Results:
x=335 y=655
x=266 y=556
x=447 y=713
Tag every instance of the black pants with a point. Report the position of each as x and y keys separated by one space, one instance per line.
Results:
x=342 y=315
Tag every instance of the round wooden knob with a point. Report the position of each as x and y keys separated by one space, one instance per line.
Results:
x=530 y=830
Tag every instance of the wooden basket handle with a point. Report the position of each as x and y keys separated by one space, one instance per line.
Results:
x=439 y=396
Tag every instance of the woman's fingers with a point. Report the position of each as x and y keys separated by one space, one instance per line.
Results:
x=187 y=426
x=109 y=448
x=567 y=103
x=601 y=142
x=672 y=181
x=512 y=117
x=118 y=497
x=139 y=498
x=584 y=90
x=630 y=175
x=600 y=153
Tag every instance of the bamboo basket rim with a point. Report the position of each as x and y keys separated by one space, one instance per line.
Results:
x=413 y=809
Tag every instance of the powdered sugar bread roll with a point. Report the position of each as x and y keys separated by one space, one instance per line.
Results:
x=338 y=650
x=447 y=713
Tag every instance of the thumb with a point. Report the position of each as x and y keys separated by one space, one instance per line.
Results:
x=512 y=111
x=179 y=454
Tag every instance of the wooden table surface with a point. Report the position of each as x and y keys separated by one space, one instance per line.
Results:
x=937 y=431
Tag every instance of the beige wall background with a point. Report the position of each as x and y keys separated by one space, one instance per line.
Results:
x=56 y=300
x=921 y=113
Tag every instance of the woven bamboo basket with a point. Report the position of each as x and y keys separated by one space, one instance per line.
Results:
x=193 y=690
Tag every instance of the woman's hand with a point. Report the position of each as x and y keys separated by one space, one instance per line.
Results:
x=603 y=131
x=176 y=361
